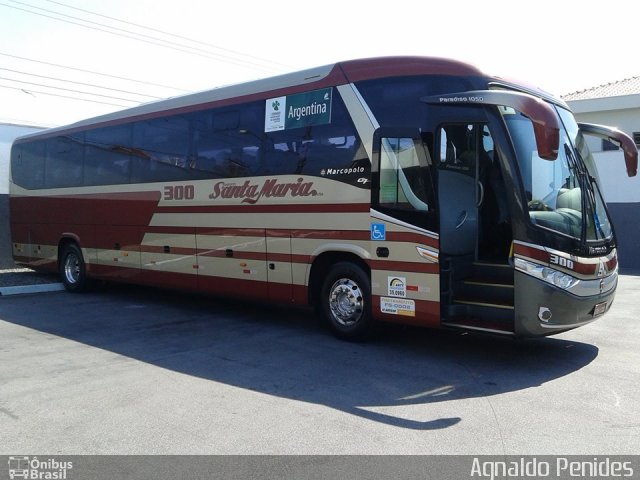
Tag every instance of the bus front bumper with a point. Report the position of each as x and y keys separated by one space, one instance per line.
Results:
x=543 y=309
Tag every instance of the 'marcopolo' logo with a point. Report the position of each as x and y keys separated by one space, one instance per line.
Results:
x=251 y=193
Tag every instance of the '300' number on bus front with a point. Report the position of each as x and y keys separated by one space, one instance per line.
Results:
x=179 y=192
x=563 y=262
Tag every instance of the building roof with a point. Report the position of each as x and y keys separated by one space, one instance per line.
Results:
x=628 y=86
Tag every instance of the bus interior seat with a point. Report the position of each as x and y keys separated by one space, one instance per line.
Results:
x=459 y=226
x=569 y=198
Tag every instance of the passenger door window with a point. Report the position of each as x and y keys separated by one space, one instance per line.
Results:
x=403 y=186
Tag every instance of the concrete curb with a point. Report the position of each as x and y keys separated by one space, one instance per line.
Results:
x=25 y=289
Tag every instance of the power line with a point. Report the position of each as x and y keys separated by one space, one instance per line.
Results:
x=142 y=82
x=137 y=36
x=235 y=52
x=95 y=28
x=70 y=90
x=79 y=83
x=63 y=96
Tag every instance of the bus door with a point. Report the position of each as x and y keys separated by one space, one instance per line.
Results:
x=404 y=267
x=476 y=279
x=459 y=191
x=471 y=193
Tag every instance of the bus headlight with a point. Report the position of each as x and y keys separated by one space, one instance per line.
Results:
x=547 y=274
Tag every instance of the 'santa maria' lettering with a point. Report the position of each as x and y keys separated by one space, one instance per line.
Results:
x=251 y=193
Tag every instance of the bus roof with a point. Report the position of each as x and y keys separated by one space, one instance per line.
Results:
x=286 y=84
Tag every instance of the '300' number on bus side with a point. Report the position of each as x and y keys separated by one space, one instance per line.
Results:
x=179 y=192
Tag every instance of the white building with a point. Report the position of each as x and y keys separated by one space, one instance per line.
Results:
x=615 y=104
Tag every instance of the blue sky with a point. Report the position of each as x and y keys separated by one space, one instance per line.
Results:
x=559 y=46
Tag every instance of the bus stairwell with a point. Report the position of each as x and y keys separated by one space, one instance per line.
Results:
x=480 y=296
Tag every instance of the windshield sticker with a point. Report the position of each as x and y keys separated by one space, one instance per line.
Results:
x=300 y=110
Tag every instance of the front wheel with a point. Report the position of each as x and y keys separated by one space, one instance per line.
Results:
x=72 y=269
x=346 y=301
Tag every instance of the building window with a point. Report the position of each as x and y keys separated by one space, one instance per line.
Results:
x=608 y=146
x=636 y=138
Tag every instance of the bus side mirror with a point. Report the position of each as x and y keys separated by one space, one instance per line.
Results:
x=618 y=138
x=546 y=125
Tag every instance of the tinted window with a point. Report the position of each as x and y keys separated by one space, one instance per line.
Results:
x=63 y=164
x=108 y=155
x=396 y=101
x=229 y=142
x=27 y=164
x=222 y=143
x=161 y=150
x=332 y=150
x=459 y=148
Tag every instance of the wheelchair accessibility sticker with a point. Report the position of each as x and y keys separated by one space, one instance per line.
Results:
x=378 y=231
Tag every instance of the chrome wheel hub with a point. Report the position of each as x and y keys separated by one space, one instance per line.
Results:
x=72 y=268
x=346 y=302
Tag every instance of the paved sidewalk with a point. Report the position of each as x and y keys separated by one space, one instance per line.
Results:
x=24 y=280
x=25 y=276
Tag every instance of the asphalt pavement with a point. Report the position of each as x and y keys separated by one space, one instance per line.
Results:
x=131 y=370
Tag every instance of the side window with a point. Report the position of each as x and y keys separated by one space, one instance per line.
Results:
x=403 y=187
x=607 y=146
x=229 y=142
x=63 y=162
x=108 y=156
x=459 y=148
x=331 y=150
x=27 y=165
x=402 y=179
x=396 y=101
x=161 y=150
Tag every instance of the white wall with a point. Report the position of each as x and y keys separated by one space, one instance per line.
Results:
x=616 y=186
x=621 y=193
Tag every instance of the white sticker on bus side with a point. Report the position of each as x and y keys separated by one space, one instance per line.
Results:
x=397 y=286
x=398 y=306
x=275 y=114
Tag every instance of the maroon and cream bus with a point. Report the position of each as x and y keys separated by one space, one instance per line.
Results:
x=403 y=189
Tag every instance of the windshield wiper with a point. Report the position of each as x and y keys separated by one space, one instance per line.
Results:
x=591 y=197
x=587 y=201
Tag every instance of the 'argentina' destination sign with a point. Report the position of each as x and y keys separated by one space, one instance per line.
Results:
x=299 y=110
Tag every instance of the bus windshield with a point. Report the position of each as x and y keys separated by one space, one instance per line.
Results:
x=562 y=195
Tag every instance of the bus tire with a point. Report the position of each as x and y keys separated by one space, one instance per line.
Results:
x=73 y=271
x=345 y=302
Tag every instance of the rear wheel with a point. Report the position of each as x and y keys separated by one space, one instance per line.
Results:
x=345 y=301
x=72 y=269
